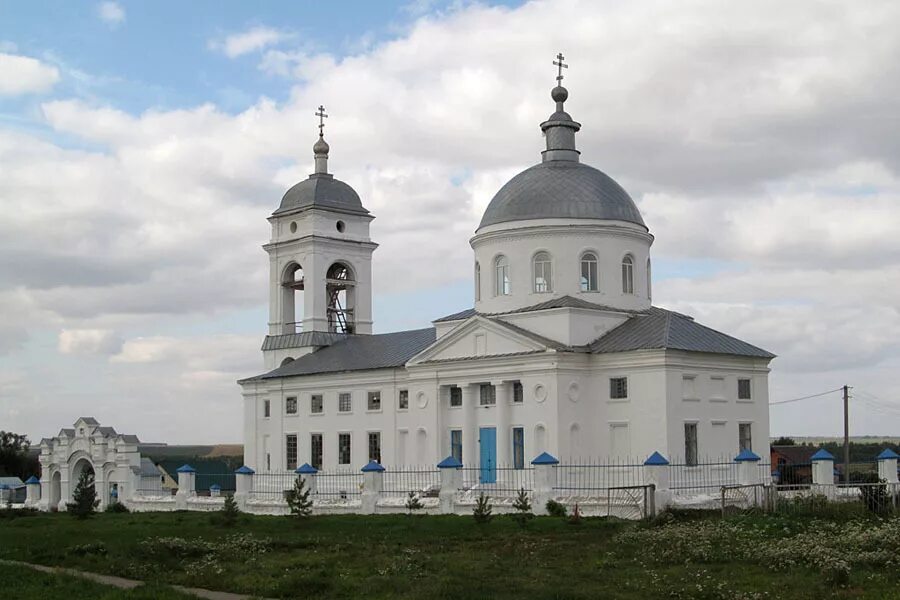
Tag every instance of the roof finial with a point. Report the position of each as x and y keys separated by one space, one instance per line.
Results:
x=560 y=129
x=559 y=63
x=320 y=148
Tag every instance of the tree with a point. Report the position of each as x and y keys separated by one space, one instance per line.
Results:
x=413 y=502
x=230 y=512
x=482 y=511
x=84 y=498
x=784 y=441
x=15 y=460
x=523 y=508
x=298 y=499
x=575 y=517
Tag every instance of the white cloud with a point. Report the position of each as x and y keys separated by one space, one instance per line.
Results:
x=111 y=13
x=252 y=40
x=102 y=342
x=750 y=134
x=25 y=75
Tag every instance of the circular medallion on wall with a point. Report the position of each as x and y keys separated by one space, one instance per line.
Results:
x=293 y=227
x=574 y=391
x=540 y=392
x=422 y=399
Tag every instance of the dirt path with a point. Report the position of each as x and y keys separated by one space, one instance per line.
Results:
x=127 y=584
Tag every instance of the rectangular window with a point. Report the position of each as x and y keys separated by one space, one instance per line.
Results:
x=518 y=392
x=315 y=450
x=315 y=404
x=717 y=382
x=345 y=402
x=403 y=400
x=374 y=400
x=488 y=394
x=267 y=409
x=375 y=446
x=290 y=405
x=745 y=441
x=744 y=389
x=343 y=448
x=456 y=444
x=618 y=388
x=290 y=451
x=518 y=440
x=689 y=387
x=455 y=396
x=690 y=444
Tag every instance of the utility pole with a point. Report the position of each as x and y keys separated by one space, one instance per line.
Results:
x=846 y=434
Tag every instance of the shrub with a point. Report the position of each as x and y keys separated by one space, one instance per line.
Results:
x=413 y=502
x=84 y=498
x=575 y=518
x=523 y=508
x=555 y=509
x=116 y=507
x=91 y=548
x=230 y=512
x=298 y=499
x=482 y=511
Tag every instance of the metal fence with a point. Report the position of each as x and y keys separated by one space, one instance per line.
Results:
x=423 y=481
x=205 y=481
x=153 y=486
x=578 y=478
x=702 y=478
x=272 y=485
x=500 y=481
x=838 y=500
x=339 y=483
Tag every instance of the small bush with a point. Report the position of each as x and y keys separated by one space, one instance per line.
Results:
x=523 y=508
x=298 y=499
x=413 y=502
x=116 y=507
x=84 y=498
x=575 y=518
x=230 y=512
x=482 y=511
x=555 y=509
x=96 y=548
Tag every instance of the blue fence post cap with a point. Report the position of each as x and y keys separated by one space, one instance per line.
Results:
x=887 y=454
x=372 y=467
x=450 y=463
x=33 y=479
x=822 y=454
x=656 y=460
x=746 y=455
x=3 y=486
x=215 y=486
x=545 y=459
x=306 y=469
x=245 y=470
x=186 y=469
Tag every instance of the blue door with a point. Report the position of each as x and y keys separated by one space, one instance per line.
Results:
x=487 y=441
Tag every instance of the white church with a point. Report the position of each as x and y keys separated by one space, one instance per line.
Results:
x=562 y=351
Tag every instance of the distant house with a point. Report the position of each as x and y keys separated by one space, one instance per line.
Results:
x=12 y=488
x=792 y=464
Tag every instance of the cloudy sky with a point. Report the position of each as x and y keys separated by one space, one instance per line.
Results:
x=143 y=145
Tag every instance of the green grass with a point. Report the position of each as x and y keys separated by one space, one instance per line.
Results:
x=27 y=584
x=433 y=556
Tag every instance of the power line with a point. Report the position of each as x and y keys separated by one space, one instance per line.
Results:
x=806 y=397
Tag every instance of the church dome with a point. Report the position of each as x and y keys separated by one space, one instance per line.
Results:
x=324 y=191
x=561 y=189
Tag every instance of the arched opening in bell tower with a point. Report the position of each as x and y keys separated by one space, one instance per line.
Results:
x=292 y=298
x=340 y=296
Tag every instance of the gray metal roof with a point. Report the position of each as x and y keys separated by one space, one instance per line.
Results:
x=107 y=431
x=66 y=432
x=148 y=469
x=89 y=420
x=300 y=340
x=129 y=438
x=358 y=353
x=323 y=191
x=664 y=329
x=559 y=302
x=12 y=482
x=561 y=189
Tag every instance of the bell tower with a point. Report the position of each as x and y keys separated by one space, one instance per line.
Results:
x=320 y=264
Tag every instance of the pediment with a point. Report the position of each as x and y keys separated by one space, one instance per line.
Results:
x=480 y=336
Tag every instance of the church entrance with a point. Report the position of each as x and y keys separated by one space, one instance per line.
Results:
x=487 y=442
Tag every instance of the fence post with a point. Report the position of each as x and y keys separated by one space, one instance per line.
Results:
x=187 y=480
x=243 y=484
x=32 y=491
x=887 y=465
x=823 y=468
x=656 y=473
x=215 y=490
x=307 y=473
x=451 y=481
x=544 y=482
x=373 y=485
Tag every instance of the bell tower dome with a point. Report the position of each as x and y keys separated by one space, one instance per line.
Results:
x=320 y=264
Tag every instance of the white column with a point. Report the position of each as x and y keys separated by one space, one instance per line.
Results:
x=63 y=489
x=243 y=484
x=187 y=478
x=373 y=486
x=451 y=482
x=823 y=468
x=470 y=427
x=504 y=389
x=748 y=467
x=308 y=473
x=656 y=473
x=544 y=482
x=32 y=491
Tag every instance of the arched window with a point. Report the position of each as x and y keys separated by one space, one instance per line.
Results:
x=477 y=281
x=589 y=280
x=292 y=298
x=501 y=276
x=649 y=282
x=628 y=275
x=543 y=278
x=340 y=297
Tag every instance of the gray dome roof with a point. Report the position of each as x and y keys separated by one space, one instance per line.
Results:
x=561 y=189
x=323 y=191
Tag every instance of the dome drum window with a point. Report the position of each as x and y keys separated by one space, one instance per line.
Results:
x=589 y=275
x=543 y=279
x=477 y=281
x=502 y=285
x=627 y=275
